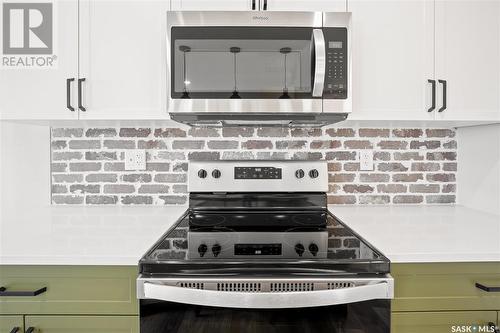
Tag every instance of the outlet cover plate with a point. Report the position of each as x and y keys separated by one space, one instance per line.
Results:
x=366 y=160
x=135 y=159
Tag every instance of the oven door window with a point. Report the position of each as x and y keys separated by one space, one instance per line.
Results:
x=242 y=62
x=363 y=317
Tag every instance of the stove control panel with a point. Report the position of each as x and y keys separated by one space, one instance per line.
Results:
x=258 y=176
x=234 y=245
x=257 y=173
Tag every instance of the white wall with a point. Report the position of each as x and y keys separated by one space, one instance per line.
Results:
x=24 y=166
x=479 y=167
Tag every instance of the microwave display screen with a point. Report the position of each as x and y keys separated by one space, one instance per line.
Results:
x=335 y=45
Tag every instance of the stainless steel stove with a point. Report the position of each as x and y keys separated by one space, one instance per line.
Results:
x=258 y=251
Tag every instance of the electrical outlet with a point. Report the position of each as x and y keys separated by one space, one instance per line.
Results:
x=366 y=160
x=135 y=159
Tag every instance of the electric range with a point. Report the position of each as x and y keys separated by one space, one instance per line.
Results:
x=257 y=251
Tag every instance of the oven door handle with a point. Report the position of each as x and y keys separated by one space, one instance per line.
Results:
x=318 y=40
x=267 y=300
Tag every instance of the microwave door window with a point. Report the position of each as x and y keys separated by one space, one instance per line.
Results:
x=249 y=63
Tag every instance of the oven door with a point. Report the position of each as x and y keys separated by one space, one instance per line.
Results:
x=245 y=62
x=265 y=305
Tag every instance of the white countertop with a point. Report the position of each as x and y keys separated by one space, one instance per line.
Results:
x=76 y=235
x=408 y=234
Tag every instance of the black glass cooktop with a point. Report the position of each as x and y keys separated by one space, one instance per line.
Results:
x=347 y=252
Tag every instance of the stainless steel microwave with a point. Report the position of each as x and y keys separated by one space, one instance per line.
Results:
x=248 y=68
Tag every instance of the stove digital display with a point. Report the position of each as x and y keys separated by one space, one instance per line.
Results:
x=257 y=249
x=257 y=173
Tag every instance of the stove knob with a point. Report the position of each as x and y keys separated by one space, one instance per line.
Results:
x=299 y=173
x=202 y=173
x=299 y=248
x=313 y=248
x=202 y=249
x=216 y=173
x=216 y=250
x=313 y=173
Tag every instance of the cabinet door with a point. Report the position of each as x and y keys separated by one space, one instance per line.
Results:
x=83 y=324
x=439 y=322
x=9 y=323
x=39 y=91
x=393 y=57
x=306 y=5
x=201 y=5
x=467 y=57
x=122 y=58
x=88 y=290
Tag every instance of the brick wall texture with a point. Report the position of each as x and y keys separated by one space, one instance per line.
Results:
x=412 y=165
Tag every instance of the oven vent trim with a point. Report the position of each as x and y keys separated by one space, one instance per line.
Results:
x=239 y=286
x=192 y=285
x=341 y=285
x=265 y=286
x=291 y=287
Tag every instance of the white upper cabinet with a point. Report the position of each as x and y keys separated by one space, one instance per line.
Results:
x=393 y=57
x=204 y=5
x=468 y=59
x=305 y=5
x=263 y=5
x=41 y=92
x=122 y=59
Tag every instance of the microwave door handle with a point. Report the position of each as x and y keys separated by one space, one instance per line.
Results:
x=320 y=62
x=269 y=300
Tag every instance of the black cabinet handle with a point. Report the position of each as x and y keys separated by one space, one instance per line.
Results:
x=80 y=106
x=253 y=4
x=15 y=330
x=30 y=330
x=68 y=94
x=443 y=82
x=4 y=292
x=265 y=5
x=433 y=84
x=487 y=289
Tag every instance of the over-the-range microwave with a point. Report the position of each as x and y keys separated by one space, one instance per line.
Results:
x=247 y=68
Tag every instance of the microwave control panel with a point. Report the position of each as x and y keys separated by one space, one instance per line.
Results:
x=336 y=63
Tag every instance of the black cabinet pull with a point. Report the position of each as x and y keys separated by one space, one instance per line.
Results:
x=253 y=4
x=30 y=330
x=4 y=292
x=15 y=330
x=80 y=106
x=68 y=94
x=443 y=82
x=433 y=106
x=265 y=5
x=487 y=289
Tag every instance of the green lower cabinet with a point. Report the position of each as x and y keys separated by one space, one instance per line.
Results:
x=9 y=323
x=443 y=322
x=89 y=290
x=445 y=287
x=83 y=324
